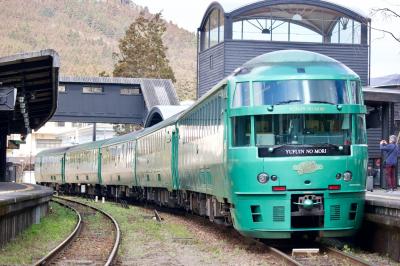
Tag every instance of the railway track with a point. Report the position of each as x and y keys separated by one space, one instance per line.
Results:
x=322 y=255
x=94 y=240
x=325 y=256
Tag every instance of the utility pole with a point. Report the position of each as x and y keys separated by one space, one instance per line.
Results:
x=94 y=131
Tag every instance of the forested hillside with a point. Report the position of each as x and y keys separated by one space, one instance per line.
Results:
x=85 y=33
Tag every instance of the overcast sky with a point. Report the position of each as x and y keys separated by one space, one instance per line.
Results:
x=385 y=51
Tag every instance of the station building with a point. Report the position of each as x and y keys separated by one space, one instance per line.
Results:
x=228 y=36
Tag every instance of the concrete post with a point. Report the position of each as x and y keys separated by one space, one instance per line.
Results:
x=94 y=132
x=385 y=135
x=3 y=154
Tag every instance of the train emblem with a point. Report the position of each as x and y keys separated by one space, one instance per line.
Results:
x=307 y=167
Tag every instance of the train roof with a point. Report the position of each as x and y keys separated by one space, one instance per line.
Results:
x=170 y=121
x=293 y=64
x=202 y=98
x=122 y=138
x=54 y=151
x=88 y=146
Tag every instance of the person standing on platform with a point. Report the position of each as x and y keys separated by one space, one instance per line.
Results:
x=390 y=152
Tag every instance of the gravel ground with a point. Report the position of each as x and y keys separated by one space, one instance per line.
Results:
x=181 y=240
x=94 y=242
x=185 y=239
x=374 y=258
x=226 y=244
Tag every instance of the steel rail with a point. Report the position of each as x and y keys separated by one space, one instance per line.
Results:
x=340 y=254
x=57 y=249
x=332 y=251
x=288 y=259
x=114 y=251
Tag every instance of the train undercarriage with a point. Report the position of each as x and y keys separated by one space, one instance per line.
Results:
x=194 y=202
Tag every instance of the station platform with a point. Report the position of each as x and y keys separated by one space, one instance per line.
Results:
x=381 y=193
x=21 y=205
x=381 y=228
x=383 y=207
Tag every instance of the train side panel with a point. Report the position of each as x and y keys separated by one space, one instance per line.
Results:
x=38 y=169
x=153 y=159
x=82 y=164
x=201 y=159
x=49 y=166
x=118 y=163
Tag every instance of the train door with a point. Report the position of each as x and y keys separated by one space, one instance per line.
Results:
x=39 y=171
x=225 y=127
x=174 y=159
x=63 y=169
x=133 y=161
x=99 y=161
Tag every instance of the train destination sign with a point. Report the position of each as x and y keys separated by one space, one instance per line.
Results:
x=306 y=151
x=303 y=150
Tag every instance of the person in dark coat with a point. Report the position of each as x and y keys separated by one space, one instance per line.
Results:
x=390 y=152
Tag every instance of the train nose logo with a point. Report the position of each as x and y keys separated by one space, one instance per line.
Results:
x=307 y=167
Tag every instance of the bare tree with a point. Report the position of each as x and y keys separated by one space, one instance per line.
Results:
x=387 y=13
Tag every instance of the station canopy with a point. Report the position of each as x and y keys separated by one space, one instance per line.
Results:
x=31 y=81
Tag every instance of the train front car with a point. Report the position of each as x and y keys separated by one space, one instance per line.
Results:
x=297 y=153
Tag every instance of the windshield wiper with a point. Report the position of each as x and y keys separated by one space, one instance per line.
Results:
x=315 y=101
x=287 y=102
x=326 y=145
x=277 y=147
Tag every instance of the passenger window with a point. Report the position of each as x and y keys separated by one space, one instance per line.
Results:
x=242 y=95
x=264 y=131
x=241 y=131
x=361 y=135
x=355 y=88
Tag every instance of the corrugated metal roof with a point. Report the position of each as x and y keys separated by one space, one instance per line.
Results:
x=155 y=91
x=159 y=92
x=386 y=81
x=381 y=94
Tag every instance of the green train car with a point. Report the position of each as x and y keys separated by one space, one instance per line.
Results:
x=277 y=148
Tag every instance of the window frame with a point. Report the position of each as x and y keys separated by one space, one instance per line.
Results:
x=91 y=89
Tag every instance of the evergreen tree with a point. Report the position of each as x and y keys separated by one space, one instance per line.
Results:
x=142 y=52
x=142 y=55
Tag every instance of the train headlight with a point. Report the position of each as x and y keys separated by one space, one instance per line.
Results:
x=347 y=176
x=262 y=178
x=274 y=177
x=338 y=176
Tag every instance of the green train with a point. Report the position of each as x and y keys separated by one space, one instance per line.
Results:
x=275 y=149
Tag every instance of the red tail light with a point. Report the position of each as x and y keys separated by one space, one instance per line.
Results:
x=279 y=188
x=334 y=187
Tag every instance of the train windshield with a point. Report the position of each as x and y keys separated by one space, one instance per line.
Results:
x=300 y=92
x=303 y=129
